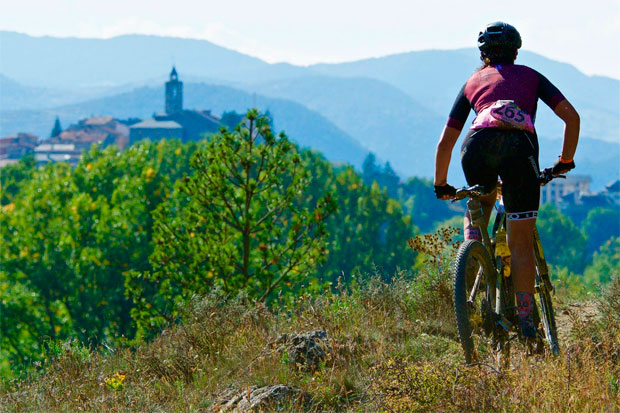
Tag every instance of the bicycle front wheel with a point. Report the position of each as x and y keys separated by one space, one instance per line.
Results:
x=543 y=289
x=548 y=320
x=474 y=295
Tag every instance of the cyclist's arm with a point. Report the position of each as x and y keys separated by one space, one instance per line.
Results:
x=565 y=111
x=569 y=115
x=449 y=136
x=448 y=139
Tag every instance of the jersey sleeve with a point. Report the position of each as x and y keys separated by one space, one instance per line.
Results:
x=548 y=93
x=460 y=111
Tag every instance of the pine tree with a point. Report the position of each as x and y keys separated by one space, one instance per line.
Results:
x=57 y=130
x=370 y=170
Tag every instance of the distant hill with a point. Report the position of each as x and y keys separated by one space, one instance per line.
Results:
x=383 y=118
x=394 y=105
x=434 y=77
x=76 y=63
x=304 y=126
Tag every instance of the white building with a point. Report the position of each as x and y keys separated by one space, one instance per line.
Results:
x=57 y=152
x=557 y=190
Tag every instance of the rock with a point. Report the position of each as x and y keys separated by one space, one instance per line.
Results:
x=306 y=350
x=276 y=397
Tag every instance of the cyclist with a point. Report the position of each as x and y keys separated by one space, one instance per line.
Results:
x=502 y=141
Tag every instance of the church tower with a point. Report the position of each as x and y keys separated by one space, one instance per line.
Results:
x=174 y=93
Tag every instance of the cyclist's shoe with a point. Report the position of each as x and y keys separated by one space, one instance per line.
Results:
x=528 y=331
x=525 y=308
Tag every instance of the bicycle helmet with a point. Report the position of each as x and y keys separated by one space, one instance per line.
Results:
x=498 y=39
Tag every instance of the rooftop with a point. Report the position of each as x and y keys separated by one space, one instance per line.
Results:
x=156 y=124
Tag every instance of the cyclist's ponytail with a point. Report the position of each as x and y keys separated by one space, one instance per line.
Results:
x=499 y=57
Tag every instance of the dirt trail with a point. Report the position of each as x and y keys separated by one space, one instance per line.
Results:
x=569 y=314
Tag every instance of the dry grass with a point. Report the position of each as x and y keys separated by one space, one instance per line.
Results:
x=394 y=348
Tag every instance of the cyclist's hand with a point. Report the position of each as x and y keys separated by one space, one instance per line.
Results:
x=445 y=191
x=561 y=167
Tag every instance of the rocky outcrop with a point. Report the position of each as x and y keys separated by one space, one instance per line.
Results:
x=306 y=350
x=266 y=398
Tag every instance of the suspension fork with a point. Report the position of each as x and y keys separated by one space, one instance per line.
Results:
x=541 y=266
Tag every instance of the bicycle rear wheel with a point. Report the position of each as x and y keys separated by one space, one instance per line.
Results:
x=474 y=295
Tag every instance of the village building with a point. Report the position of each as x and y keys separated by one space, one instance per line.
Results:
x=102 y=130
x=68 y=145
x=57 y=152
x=14 y=147
x=565 y=190
x=175 y=122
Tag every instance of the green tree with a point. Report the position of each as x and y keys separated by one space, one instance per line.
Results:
x=423 y=207
x=562 y=241
x=600 y=225
x=370 y=169
x=57 y=129
x=237 y=223
x=70 y=235
x=605 y=263
x=12 y=177
x=231 y=119
x=368 y=231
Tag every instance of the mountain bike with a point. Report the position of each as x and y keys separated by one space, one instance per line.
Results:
x=484 y=296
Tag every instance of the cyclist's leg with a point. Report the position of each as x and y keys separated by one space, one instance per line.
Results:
x=521 y=191
x=480 y=166
x=523 y=269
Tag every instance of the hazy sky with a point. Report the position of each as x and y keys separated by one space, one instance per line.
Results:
x=583 y=33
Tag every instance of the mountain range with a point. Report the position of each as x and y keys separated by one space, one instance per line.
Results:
x=394 y=106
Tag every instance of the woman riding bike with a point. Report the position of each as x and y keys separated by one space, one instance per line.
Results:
x=502 y=141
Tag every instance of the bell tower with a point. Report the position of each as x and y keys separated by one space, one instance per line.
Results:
x=174 y=93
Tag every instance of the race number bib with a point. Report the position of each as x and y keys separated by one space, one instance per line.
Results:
x=504 y=114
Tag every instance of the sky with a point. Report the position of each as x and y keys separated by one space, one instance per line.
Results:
x=585 y=34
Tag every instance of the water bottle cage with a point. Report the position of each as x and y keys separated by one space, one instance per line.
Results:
x=475 y=211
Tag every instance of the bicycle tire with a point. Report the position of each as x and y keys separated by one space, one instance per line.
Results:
x=548 y=320
x=547 y=316
x=463 y=284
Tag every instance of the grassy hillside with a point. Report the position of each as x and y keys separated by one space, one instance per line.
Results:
x=388 y=347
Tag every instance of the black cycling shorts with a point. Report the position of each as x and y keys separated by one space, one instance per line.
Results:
x=513 y=156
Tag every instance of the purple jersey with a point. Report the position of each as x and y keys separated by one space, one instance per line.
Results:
x=518 y=83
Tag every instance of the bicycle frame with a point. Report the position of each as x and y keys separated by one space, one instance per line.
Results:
x=542 y=281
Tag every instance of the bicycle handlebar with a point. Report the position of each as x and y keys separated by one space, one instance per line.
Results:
x=546 y=176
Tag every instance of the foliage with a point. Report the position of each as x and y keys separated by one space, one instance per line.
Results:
x=563 y=242
x=384 y=176
x=237 y=223
x=12 y=177
x=423 y=207
x=605 y=263
x=231 y=119
x=367 y=232
x=600 y=225
x=57 y=129
x=69 y=238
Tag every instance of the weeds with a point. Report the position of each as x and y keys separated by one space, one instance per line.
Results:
x=393 y=347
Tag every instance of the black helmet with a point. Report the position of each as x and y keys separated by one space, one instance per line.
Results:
x=498 y=38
